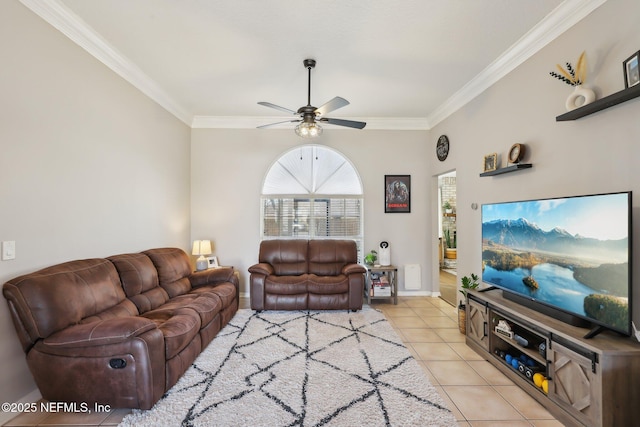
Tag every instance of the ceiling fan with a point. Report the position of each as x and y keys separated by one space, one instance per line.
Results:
x=309 y=116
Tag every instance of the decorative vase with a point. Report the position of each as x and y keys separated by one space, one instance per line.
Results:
x=462 y=319
x=579 y=97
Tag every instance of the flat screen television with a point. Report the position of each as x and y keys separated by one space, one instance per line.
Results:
x=567 y=257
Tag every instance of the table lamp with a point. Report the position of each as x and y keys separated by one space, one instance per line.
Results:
x=201 y=248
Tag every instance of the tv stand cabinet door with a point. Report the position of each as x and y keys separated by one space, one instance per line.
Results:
x=477 y=323
x=574 y=386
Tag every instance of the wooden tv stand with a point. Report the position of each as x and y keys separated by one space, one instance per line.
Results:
x=591 y=382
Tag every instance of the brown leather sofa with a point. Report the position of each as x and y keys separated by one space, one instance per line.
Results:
x=307 y=274
x=118 y=331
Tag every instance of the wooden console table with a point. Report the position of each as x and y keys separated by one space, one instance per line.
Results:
x=591 y=382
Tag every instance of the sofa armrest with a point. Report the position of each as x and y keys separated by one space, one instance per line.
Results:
x=353 y=269
x=213 y=276
x=104 y=332
x=262 y=268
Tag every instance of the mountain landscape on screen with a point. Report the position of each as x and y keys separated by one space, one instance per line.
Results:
x=585 y=273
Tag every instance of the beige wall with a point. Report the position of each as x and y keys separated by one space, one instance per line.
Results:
x=228 y=170
x=89 y=167
x=596 y=154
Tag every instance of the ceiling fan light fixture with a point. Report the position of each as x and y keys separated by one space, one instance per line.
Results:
x=309 y=114
x=308 y=130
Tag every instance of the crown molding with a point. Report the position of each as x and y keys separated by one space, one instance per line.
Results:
x=563 y=17
x=373 y=123
x=567 y=14
x=72 y=26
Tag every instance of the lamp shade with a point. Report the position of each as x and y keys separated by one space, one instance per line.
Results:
x=201 y=247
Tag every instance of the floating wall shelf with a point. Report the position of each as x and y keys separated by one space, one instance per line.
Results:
x=512 y=168
x=601 y=104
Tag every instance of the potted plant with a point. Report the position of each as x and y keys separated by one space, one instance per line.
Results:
x=371 y=257
x=450 y=250
x=467 y=283
x=447 y=207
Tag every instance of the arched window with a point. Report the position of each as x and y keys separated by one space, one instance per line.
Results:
x=312 y=192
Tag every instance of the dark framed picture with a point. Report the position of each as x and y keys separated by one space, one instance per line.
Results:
x=631 y=70
x=490 y=162
x=397 y=193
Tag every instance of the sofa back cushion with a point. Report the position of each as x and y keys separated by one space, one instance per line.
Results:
x=139 y=279
x=56 y=297
x=174 y=269
x=287 y=257
x=328 y=257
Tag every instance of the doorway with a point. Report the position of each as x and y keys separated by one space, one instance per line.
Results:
x=447 y=237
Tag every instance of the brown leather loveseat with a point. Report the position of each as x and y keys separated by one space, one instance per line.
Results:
x=118 y=331
x=307 y=274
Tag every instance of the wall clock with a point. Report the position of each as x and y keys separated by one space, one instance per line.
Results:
x=442 y=148
x=516 y=153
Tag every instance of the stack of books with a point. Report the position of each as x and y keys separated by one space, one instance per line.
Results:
x=380 y=285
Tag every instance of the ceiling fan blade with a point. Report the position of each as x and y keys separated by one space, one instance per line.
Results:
x=278 y=123
x=277 y=107
x=347 y=123
x=332 y=105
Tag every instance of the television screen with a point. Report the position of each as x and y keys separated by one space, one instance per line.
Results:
x=571 y=254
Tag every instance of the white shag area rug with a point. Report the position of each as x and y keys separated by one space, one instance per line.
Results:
x=301 y=368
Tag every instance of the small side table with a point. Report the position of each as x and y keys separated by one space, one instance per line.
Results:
x=391 y=272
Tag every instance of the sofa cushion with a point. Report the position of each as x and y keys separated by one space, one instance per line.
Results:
x=56 y=297
x=123 y=309
x=173 y=268
x=178 y=325
x=226 y=292
x=139 y=279
x=328 y=284
x=287 y=257
x=207 y=306
x=286 y=285
x=328 y=257
x=104 y=332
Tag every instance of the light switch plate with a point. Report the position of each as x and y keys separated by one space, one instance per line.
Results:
x=8 y=250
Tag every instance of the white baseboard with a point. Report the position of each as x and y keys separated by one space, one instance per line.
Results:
x=418 y=294
x=400 y=294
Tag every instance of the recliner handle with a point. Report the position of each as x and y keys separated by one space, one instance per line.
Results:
x=117 y=363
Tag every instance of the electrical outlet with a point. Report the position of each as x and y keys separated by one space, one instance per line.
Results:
x=8 y=250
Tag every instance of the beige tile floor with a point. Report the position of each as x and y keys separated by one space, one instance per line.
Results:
x=477 y=393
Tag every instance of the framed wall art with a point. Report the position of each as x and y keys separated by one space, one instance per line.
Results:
x=397 y=193
x=490 y=162
x=631 y=70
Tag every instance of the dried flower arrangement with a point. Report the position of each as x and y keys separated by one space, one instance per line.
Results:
x=571 y=76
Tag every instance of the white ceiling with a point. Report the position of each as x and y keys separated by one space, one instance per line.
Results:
x=401 y=64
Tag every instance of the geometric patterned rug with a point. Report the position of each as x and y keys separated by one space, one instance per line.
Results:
x=301 y=368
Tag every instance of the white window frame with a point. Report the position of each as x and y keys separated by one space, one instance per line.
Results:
x=335 y=215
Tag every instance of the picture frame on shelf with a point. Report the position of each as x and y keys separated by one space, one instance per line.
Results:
x=631 y=70
x=490 y=162
x=212 y=262
x=397 y=193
